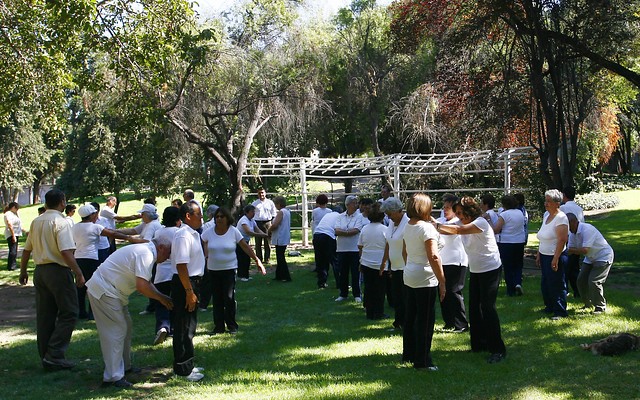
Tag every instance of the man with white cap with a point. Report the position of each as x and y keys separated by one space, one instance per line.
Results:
x=126 y=270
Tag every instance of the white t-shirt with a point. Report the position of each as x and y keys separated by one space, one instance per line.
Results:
x=452 y=253
x=588 y=236
x=348 y=222
x=146 y=230
x=481 y=248
x=70 y=221
x=547 y=233
x=316 y=216
x=250 y=224
x=395 y=239
x=327 y=225
x=110 y=215
x=573 y=208
x=10 y=218
x=186 y=249
x=164 y=271
x=513 y=227
x=222 y=248
x=208 y=225
x=104 y=240
x=116 y=277
x=281 y=236
x=265 y=210
x=87 y=237
x=418 y=272
x=373 y=241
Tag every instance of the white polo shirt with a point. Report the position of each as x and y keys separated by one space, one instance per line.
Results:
x=573 y=208
x=348 y=222
x=588 y=236
x=186 y=249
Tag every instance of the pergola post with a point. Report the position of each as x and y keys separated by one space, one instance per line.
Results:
x=396 y=175
x=507 y=171
x=305 y=209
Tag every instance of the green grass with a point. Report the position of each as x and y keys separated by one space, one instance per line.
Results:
x=295 y=342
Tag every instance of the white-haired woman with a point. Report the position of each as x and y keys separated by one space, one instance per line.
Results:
x=551 y=256
x=347 y=229
x=398 y=219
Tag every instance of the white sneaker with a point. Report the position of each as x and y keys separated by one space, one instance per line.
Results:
x=358 y=299
x=160 y=336
x=145 y=312
x=199 y=370
x=245 y=279
x=194 y=376
x=340 y=298
x=202 y=309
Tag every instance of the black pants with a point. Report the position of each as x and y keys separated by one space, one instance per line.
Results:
x=282 y=268
x=419 y=321
x=349 y=263
x=512 y=257
x=88 y=267
x=163 y=316
x=452 y=306
x=223 y=287
x=184 y=325
x=13 y=253
x=244 y=262
x=324 y=247
x=397 y=287
x=483 y=316
x=374 y=290
x=264 y=226
x=205 y=290
x=56 y=308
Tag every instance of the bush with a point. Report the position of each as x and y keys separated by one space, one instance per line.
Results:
x=597 y=201
x=617 y=183
x=590 y=184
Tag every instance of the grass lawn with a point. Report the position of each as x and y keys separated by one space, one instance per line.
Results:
x=295 y=342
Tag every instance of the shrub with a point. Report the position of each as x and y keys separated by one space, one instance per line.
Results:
x=597 y=201
x=590 y=184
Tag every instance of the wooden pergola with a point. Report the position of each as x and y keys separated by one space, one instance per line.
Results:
x=394 y=167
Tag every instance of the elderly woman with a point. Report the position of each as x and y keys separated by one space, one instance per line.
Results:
x=12 y=232
x=248 y=228
x=398 y=220
x=484 y=266
x=454 y=264
x=512 y=238
x=372 y=244
x=280 y=232
x=149 y=225
x=424 y=282
x=551 y=256
x=220 y=249
x=347 y=230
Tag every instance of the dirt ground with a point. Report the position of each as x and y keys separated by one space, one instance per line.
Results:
x=18 y=304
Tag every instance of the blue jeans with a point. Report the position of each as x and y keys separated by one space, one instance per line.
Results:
x=553 y=285
x=512 y=258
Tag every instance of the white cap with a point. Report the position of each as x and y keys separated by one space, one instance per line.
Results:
x=86 y=210
x=148 y=208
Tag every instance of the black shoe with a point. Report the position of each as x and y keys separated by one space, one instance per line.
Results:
x=120 y=384
x=233 y=331
x=323 y=286
x=496 y=358
x=51 y=363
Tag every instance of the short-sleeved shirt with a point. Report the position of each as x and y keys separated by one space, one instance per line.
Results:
x=373 y=241
x=327 y=225
x=347 y=222
x=251 y=225
x=164 y=272
x=316 y=216
x=110 y=215
x=547 y=234
x=281 y=236
x=50 y=234
x=146 y=230
x=452 y=253
x=11 y=219
x=222 y=248
x=481 y=248
x=573 y=208
x=417 y=271
x=395 y=239
x=104 y=240
x=513 y=227
x=87 y=237
x=186 y=249
x=588 y=236
x=116 y=276
x=265 y=210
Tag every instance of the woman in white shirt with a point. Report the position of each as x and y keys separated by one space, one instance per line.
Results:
x=12 y=232
x=398 y=220
x=510 y=228
x=220 y=250
x=320 y=211
x=551 y=256
x=454 y=264
x=280 y=231
x=424 y=282
x=371 y=243
x=480 y=245
x=248 y=228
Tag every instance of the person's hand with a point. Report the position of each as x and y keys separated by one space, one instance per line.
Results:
x=80 y=280
x=135 y=240
x=538 y=260
x=192 y=301
x=261 y=267
x=24 y=278
x=166 y=302
x=443 y=290
x=554 y=263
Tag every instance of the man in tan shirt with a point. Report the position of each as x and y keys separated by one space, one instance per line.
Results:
x=52 y=246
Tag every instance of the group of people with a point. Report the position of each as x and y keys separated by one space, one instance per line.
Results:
x=397 y=251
